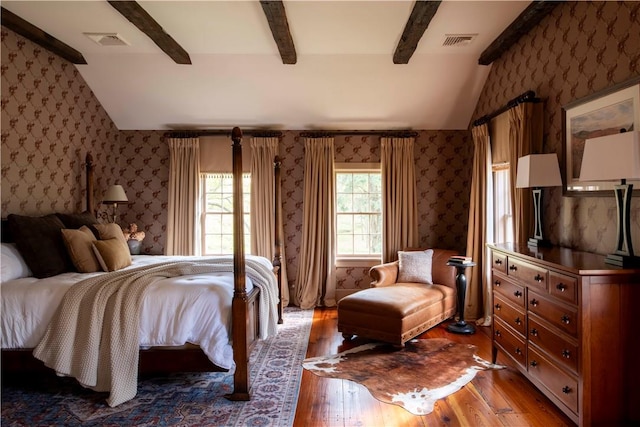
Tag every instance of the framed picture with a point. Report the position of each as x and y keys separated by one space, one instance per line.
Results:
x=603 y=113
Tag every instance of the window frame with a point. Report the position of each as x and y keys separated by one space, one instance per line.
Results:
x=355 y=260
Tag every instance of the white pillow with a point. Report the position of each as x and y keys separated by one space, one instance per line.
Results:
x=415 y=266
x=12 y=265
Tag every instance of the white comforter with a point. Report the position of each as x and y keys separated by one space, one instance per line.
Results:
x=189 y=309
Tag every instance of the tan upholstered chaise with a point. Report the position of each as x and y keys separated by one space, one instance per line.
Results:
x=396 y=312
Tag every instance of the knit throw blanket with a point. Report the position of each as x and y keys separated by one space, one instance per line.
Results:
x=94 y=334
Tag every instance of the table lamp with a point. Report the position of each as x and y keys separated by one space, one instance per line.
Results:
x=115 y=194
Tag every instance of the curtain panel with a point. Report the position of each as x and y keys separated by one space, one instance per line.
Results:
x=478 y=298
x=400 y=203
x=315 y=281
x=263 y=205
x=184 y=190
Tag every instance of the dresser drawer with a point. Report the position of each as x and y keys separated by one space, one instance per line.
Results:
x=563 y=287
x=561 y=350
x=508 y=289
x=512 y=344
x=511 y=315
x=560 y=315
x=499 y=261
x=559 y=383
x=530 y=274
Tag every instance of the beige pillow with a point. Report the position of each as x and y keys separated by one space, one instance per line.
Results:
x=112 y=254
x=110 y=231
x=79 y=245
x=415 y=266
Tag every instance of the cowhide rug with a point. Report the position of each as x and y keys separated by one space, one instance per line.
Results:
x=413 y=377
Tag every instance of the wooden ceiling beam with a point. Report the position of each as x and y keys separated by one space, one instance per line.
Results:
x=145 y=23
x=36 y=35
x=528 y=19
x=277 y=19
x=421 y=15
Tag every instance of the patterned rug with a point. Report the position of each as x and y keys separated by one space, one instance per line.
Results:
x=182 y=399
x=413 y=377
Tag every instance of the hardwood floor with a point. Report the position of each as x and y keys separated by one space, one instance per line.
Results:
x=494 y=398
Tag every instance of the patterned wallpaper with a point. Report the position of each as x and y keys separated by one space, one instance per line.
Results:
x=579 y=49
x=50 y=120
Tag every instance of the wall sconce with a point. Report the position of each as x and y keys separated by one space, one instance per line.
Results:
x=537 y=171
x=115 y=194
x=611 y=158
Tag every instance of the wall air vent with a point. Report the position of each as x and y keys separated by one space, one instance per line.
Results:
x=107 y=39
x=458 y=39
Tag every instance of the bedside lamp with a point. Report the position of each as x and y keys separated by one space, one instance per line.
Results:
x=115 y=194
x=537 y=171
x=616 y=157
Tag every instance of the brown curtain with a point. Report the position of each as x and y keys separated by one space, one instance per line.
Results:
x=315 y=281
x=400 y=204
x=184 y=190
x=478 y=298
x=263 y=151
x=521 y=135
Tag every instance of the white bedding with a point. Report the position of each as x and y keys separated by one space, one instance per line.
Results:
x=189 y=309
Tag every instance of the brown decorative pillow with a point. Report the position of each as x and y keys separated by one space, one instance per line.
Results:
x=77 y=220
x=110 y=231
x=415 y=266
x=40 y=243
x=80 y=247
x=112 y=254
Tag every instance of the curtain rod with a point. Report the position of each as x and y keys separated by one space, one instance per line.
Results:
x=385 y=133
x=528 y=96
x=214 y=132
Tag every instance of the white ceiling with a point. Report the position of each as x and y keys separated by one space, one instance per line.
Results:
x=344 y=77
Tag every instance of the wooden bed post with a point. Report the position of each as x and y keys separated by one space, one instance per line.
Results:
x=277 y=256
x=239 y=306
x=88 y=164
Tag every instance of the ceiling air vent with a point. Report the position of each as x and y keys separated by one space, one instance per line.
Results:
x=107 y=39
x=458 y=39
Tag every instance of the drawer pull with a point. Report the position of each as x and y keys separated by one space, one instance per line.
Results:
x=497 y=283
x=566 y=389
x=534 y=332
x=518 y=321
x=498 y=306
x=513 y=267
x=533 y=363
x=538 y=278
x=518 y=294
x=566 y=354
x=561 y=287
x=534 y=302
x=518 y=351
x=565 y=319
x=498 y=262
x=498 y=334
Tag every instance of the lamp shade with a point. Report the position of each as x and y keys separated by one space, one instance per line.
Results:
x=115 y=194
x=611 y=157
x=538 y=170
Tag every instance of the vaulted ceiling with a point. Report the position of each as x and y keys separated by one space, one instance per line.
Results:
x=356 y=65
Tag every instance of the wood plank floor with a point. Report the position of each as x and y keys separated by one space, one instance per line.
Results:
x=494 y=398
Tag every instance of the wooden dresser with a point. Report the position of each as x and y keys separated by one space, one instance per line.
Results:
x=567 y=320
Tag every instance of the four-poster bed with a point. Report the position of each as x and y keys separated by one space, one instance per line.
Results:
x=245 y=308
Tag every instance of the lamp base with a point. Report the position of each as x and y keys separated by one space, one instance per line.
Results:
x=624 y=261
x=538 y=243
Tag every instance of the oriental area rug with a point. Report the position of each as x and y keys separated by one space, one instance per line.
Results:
x=413 y=377
x=195 y=399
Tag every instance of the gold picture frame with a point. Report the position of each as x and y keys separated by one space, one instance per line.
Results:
x=600 y=114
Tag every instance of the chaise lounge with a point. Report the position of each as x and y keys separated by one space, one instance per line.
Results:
x=406 y=298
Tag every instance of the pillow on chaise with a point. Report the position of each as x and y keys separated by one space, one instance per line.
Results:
x=40 y=243
x=80 y=247
x=415 y=266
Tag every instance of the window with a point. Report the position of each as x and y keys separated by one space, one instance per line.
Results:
x=358 y=211
x=502 y=216
x=217 y=213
